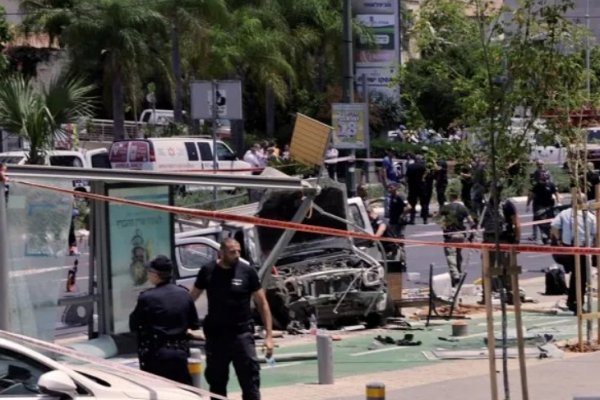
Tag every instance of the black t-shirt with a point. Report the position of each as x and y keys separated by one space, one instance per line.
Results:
x=229 y=292
x=504 y=214
x=397 y=206
x=543 y=194
x=454 y=215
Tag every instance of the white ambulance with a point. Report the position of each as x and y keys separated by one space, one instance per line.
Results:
x=177 y=154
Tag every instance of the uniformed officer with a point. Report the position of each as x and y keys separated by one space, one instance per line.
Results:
x=228 y=326
x=162 y=317
x=453 y=216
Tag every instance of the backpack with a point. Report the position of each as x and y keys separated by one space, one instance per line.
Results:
x=487 y=222
x=555 y=282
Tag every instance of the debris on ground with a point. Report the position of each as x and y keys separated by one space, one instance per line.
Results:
x=587 y=347
x=407 y=340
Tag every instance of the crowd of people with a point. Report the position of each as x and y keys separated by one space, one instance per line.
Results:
x=469 y=208
x=259 y=155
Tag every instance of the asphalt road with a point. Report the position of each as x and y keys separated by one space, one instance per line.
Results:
x=420 y=257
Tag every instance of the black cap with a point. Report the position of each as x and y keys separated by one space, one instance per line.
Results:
x=161 y=264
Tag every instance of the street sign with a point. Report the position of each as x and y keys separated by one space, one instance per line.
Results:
x=350 y=125
x=228 y=95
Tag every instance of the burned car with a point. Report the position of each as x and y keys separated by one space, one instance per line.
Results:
x=325 y=276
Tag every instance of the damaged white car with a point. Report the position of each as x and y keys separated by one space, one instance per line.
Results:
x=308 y=274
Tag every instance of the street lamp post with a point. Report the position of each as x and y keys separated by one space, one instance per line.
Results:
x=348 y=85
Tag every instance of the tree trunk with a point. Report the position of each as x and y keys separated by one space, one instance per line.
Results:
x=270 y=111
x=118 y=106
x=176 y=61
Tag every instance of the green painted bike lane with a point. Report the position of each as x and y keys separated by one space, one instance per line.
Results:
x=361 y=354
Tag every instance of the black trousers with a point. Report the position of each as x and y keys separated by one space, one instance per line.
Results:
x=225 y=348
x=569 y=266
x=168 y=362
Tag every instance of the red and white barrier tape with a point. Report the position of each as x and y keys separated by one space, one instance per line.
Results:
x=271 y=223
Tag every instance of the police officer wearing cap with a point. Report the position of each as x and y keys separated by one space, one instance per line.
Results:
x=230 y=285
x=162 y=317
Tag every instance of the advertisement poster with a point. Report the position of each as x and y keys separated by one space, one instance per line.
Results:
x=384 y=33
x=378 y=80
x=137 y=235
x=350 y=125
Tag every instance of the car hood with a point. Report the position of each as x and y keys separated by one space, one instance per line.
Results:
x=282 y=205
x=137 y=384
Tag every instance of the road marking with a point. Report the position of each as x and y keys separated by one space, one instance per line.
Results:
x=280 y=364
x=33 y=271
x=362 y=353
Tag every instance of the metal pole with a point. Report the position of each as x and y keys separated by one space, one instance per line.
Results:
x=325 y=359
x=587 y=51
x=4 y=283
x=348 y=84
x=366 y=100
x=215 y=115
x=195 y=367
x=347 y=70
x=264 y=272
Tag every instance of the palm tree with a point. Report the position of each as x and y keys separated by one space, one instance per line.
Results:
x=37 y=113
x=256 y=49
x=192 y=18
x=118 y=34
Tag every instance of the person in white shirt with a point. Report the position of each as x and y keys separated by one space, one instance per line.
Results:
x=330 y=154
x=251 y=156
x=562 y=234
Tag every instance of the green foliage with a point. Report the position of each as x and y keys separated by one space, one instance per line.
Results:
x=478 y=69
x=37 y=113
x=455 y=151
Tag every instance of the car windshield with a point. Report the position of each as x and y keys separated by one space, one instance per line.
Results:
x=593 y=136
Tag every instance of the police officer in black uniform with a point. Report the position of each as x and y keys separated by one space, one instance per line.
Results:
x=228 y=326
x=162 y=317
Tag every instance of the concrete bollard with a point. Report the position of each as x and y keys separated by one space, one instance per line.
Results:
x=375 y=391
x=195 y=367
x=325 y=359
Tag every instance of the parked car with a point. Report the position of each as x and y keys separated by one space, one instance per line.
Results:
x=97 y=158
x=30 y=369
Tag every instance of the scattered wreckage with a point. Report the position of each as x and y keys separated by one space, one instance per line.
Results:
x=312 y=276
x=325 y=276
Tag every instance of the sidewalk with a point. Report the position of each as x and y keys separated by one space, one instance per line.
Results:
x=548 y=379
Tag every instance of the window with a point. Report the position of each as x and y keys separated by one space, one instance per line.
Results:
x=224 y=153
x=118 y=151
x=19 y=374
x=66 y=161
x=11 y=159
x=192 y=152
x=100 y=161
x=138 y=152
x=205 y=152
x=195 y=255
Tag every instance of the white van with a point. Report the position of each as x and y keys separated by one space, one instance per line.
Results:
x=175 y=154
x=97 y=158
